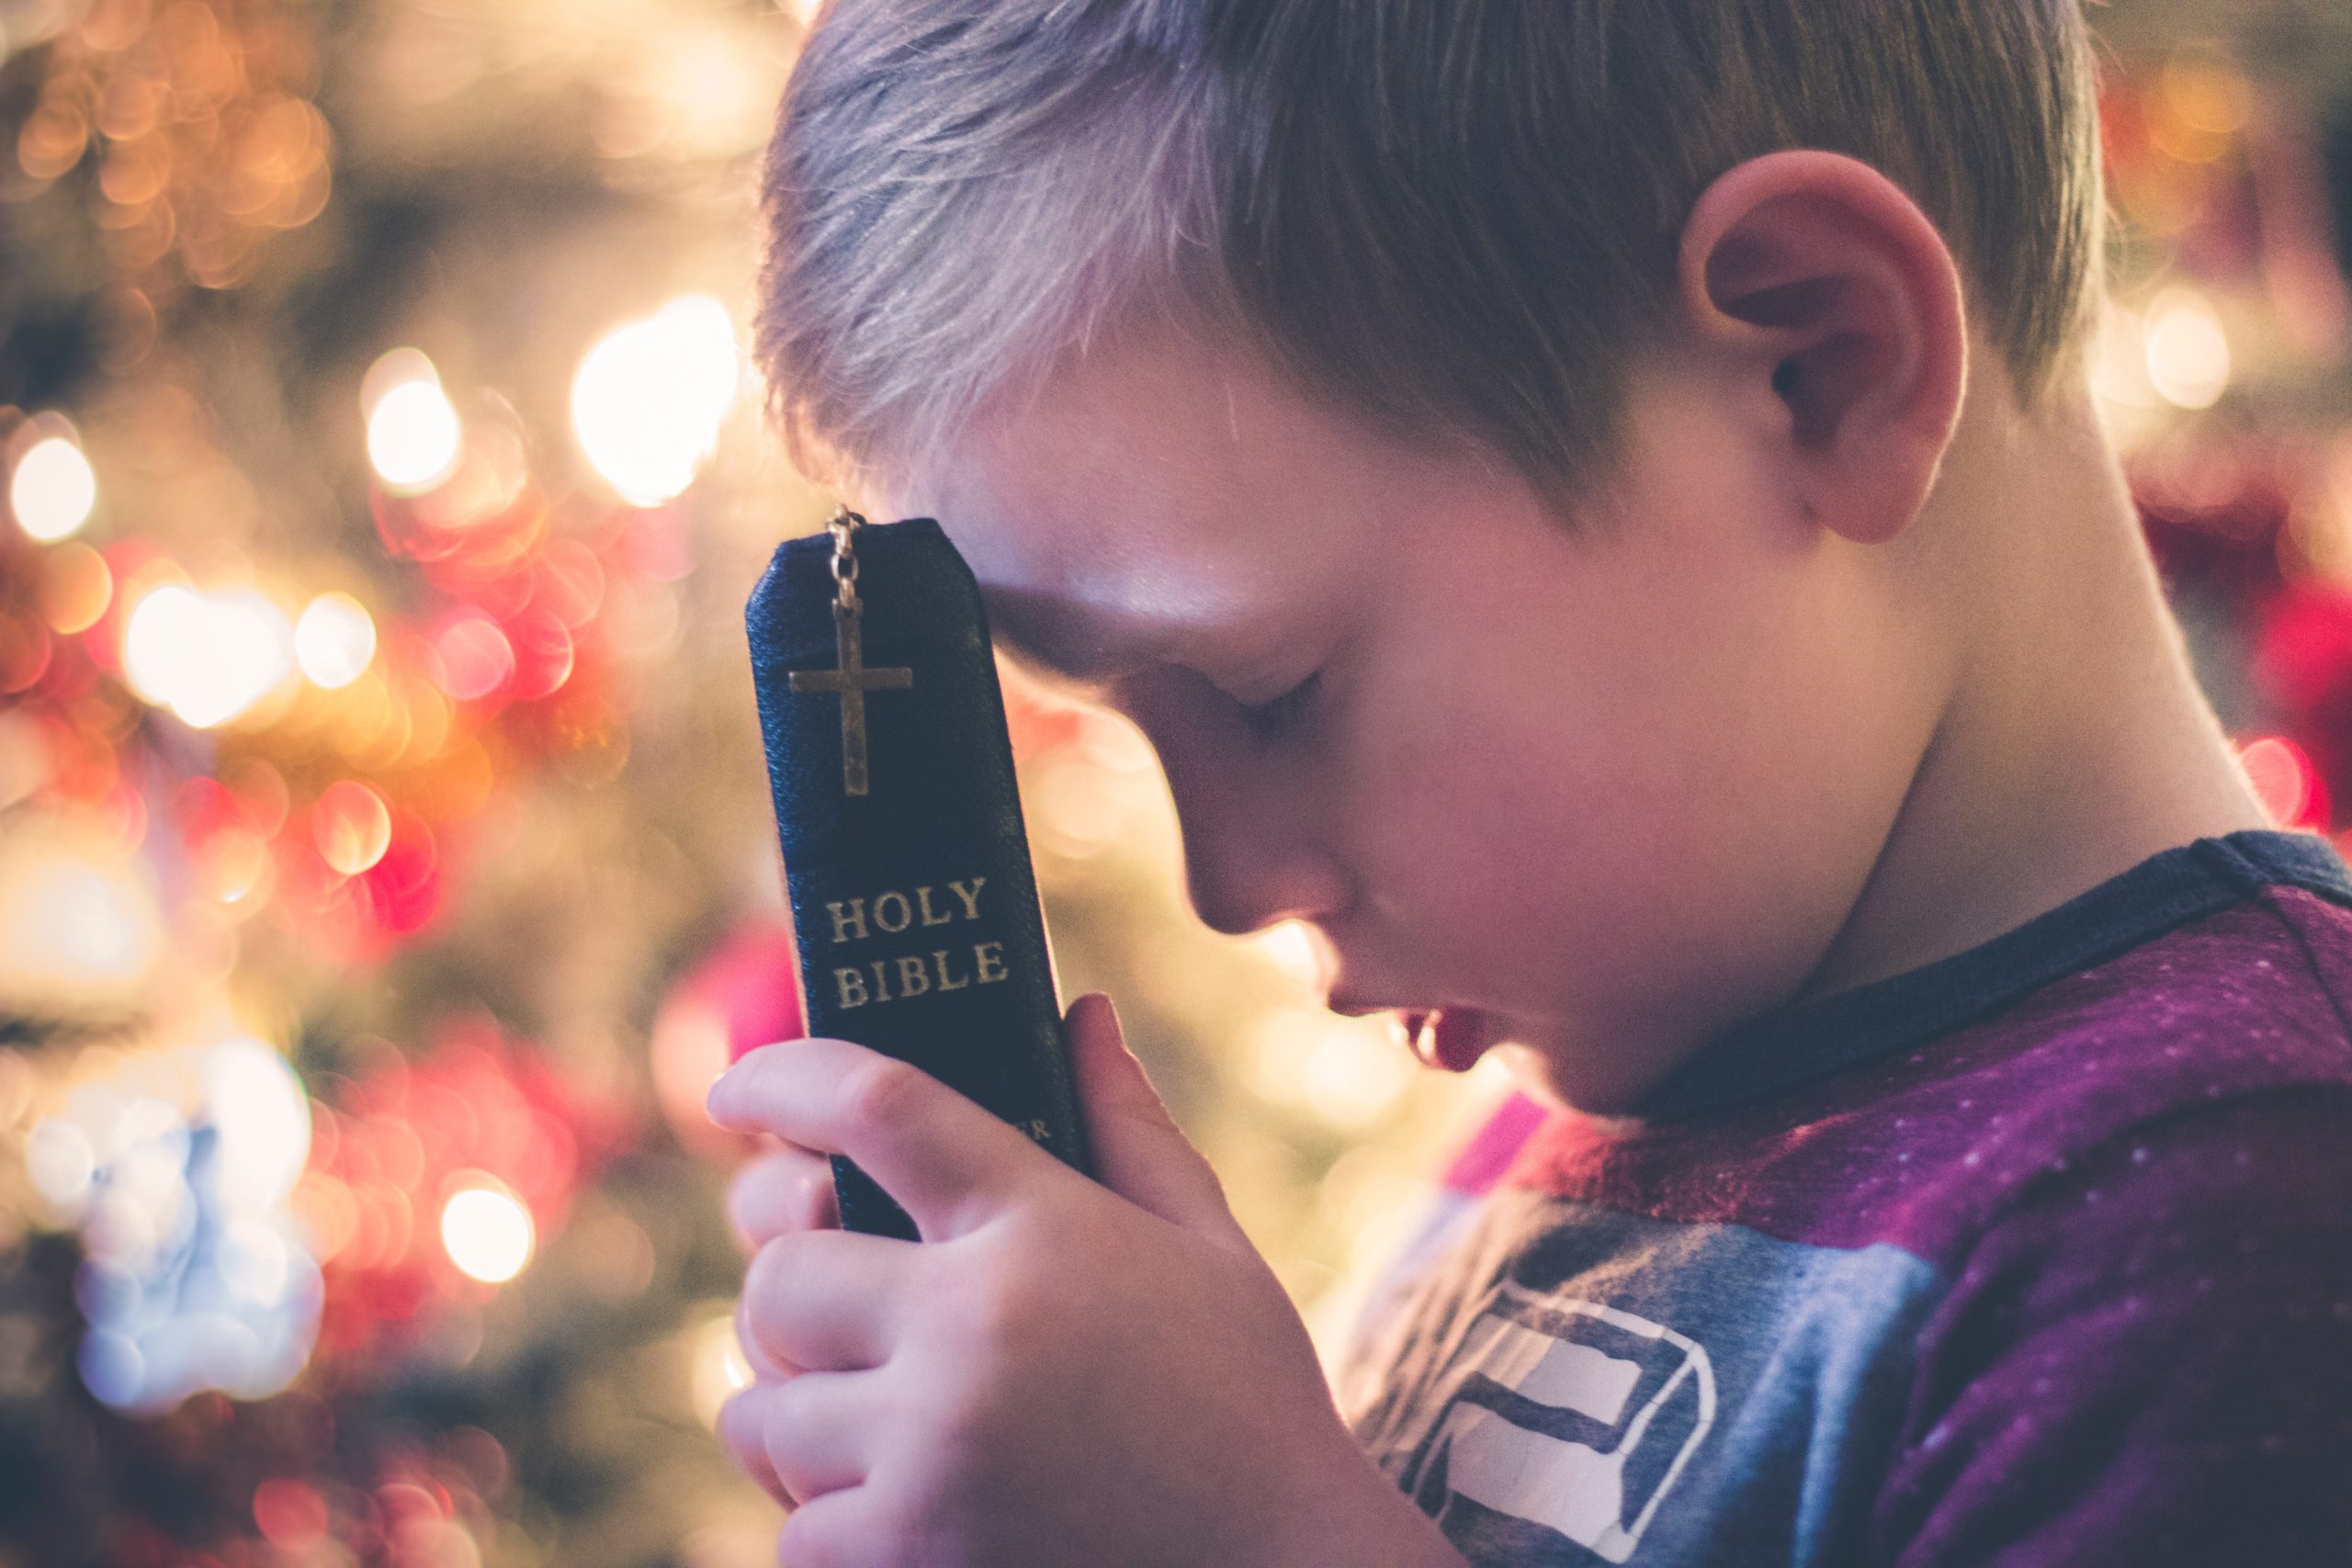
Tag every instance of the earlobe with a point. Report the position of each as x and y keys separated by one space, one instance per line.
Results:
x=1839 y=305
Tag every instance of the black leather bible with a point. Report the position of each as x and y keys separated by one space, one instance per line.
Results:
x=914 y=908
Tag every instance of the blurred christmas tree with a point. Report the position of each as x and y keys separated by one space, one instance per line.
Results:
x=384 y=858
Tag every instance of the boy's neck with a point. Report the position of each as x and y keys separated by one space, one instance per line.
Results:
x=2075 y=742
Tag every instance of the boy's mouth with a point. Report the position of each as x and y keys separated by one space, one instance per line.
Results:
x=1451 y=1038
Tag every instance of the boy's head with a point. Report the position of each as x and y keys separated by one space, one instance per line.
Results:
x=1446 y=217
x=1502 y=372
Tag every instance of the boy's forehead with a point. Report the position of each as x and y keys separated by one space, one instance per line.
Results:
x=1119 y=512
x=1085 y=597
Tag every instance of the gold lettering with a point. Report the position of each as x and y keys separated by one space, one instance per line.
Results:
x=931 y=917
x=939 y=958
x=971 y=895
x=906 y=915
x=913 y=978
x=1038 y=1130
x=989 y=959
x=881 y=988
x=851 y=986
x=841 y=922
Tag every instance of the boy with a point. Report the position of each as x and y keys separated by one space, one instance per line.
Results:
x=1599 y=510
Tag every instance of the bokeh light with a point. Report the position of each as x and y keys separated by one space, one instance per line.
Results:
x=1345 y=1074
x=59 y=1162
x=415 y=436
x=72 y=923
x=289 y=1514
x=207 y=657
x=335 y=638
x=76 y=586
x=2283 y=779
x=1301 y=953
x=648 y=401
x=264 y=1118
x=194 y=1275
x=487 y=1233
x=352 y=827
x=2189 y=352
x=472 y=659
x=720 y=1369
x=53 y=489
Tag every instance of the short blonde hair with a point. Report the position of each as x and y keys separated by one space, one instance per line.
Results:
x=1458 y=219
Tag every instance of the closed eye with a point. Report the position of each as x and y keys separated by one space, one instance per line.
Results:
x=1270 y=721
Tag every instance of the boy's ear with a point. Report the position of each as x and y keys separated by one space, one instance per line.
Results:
x=1840 y=306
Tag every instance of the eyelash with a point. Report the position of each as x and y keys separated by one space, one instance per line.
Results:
x=1271 y=720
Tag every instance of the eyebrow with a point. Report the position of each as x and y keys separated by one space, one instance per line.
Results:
x=1035 y=643
x=1040 y=633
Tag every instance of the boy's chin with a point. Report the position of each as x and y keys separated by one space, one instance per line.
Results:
x=1571 y=1073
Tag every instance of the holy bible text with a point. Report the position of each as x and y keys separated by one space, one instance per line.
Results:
x=902 y=975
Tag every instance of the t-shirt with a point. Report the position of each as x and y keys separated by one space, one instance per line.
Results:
x=2038 y=1255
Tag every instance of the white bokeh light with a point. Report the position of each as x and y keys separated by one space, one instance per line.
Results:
x=58 y=1159
x=207 y=657
x=72 y=923
x=488 y=1234
x=2189 y=352
x=53 y=490
x=258 y=1103
x=415 y=436
x=334 y=641
x=648 y=401
x=195 y=1273
x=719 y=1369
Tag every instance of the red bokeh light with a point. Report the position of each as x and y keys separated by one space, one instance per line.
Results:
x=289 y=1514
x=2284 y=781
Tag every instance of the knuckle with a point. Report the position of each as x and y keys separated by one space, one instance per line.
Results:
x=784 y=1193
x=766 y=1271
x=998 y=1305
x=885 y=1092
x=792 y=1411
x=768 y=1291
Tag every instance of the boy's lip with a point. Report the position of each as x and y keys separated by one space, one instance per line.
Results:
x=1451 y=1037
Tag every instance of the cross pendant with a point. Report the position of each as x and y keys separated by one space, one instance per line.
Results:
x=850 y=684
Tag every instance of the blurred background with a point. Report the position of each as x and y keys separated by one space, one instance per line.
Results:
x=385 y=859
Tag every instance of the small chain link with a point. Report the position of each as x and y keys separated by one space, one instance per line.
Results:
x=841 y=525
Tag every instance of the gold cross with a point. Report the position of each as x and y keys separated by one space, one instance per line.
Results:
x=851 y=682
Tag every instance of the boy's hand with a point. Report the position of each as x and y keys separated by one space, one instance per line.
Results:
x=1059 y=1371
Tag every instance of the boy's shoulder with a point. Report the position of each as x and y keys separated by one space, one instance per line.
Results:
x=2208 y=987
x=2043 y=1253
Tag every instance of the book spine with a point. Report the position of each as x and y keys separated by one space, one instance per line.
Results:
x=914 y=908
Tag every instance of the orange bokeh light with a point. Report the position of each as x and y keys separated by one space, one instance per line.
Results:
x=352 y=826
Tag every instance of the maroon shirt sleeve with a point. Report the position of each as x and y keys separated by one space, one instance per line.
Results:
x=2147 y=1360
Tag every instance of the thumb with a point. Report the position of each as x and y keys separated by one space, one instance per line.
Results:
x=1137 y=1150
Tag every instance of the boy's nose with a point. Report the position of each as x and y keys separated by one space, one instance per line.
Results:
x=1250 y=861
x=1253 y=825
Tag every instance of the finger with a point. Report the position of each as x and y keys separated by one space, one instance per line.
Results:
x=950 y=1164
x=848 y=1528
x=762 y=1365
x=818 y=1429
x=742 y=1431
x=1137 y=1149
x=825 y=1301
x=791 y=1190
